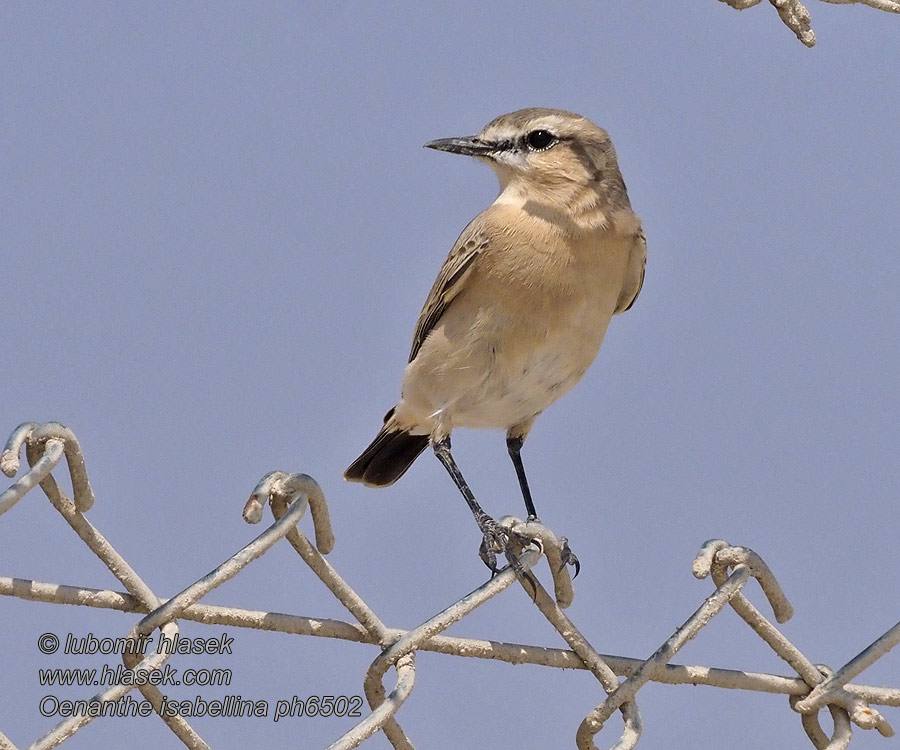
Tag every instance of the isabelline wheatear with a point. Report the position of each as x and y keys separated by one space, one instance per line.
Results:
x=519 y=309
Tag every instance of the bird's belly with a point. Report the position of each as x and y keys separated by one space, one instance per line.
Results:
x=518 y=388
x=500 y=376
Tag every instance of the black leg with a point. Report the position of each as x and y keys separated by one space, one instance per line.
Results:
x=495 y=538
x=514 y=446
x=442 y=451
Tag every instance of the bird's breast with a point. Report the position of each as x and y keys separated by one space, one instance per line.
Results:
x=534 y=360
x=522 y=332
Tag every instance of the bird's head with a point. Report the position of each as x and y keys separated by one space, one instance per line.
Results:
x=546 y=154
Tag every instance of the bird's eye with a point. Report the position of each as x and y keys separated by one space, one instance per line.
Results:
x=538 y=140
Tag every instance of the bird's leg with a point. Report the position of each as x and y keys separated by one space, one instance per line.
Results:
x=495 y=538
x=514 y=446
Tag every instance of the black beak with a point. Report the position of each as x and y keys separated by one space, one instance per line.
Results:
x=469 y=145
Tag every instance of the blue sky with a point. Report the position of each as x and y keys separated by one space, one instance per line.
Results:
x=219 y=227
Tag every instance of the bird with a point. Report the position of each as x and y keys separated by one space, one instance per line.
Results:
x=520 y=307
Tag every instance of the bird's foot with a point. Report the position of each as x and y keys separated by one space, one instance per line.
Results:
x=496 y=539
x=568 y=557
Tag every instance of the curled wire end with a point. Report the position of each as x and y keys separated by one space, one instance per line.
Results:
x=866 y=717
x=269 y=490
x=9 y=463
x=9 y=459
x=702 y=564
x=281 y=489
x=253 y=510
x=717 y=553
x=36 y=437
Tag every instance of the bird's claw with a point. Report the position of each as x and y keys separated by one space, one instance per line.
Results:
x=498 y=539
x=568 y=557
x=495 y=539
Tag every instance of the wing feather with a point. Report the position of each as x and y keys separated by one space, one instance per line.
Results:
x=634 y=277
x=448 y=284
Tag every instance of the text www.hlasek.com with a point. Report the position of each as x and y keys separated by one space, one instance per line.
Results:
x=167 y=675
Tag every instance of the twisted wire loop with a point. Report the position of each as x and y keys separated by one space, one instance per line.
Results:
x=714 y=559
x=288 y=495
x=56 y=440
x=796 y=17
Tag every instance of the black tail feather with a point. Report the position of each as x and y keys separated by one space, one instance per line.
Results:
x=388 y=457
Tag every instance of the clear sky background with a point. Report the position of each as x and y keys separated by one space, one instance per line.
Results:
x=218 y=227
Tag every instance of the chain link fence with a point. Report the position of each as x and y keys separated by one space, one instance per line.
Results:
x=815 y=688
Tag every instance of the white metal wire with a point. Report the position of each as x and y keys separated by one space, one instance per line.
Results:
x=815 y=688
x=796 y=17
